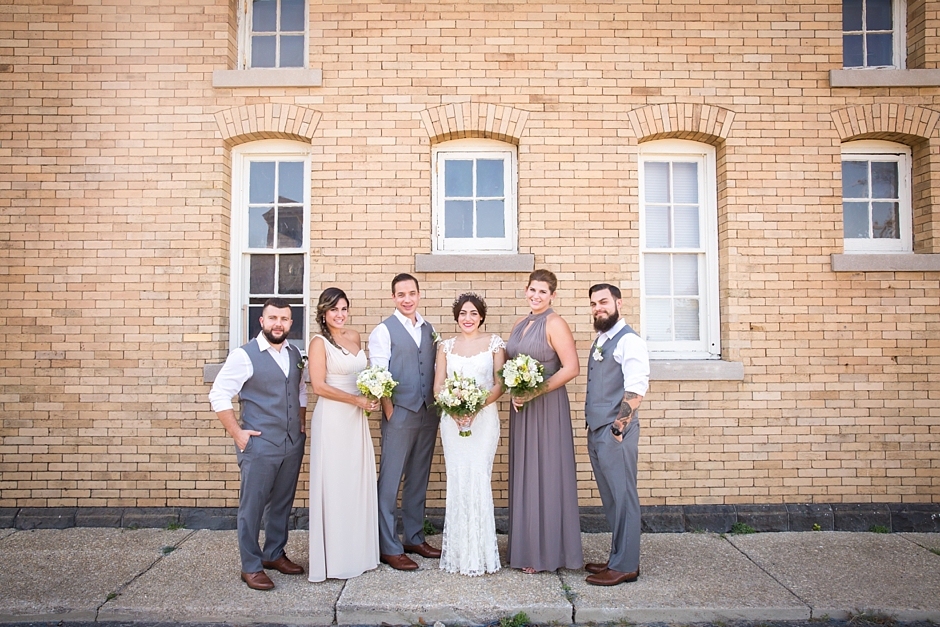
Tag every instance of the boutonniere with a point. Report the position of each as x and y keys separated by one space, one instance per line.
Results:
x=598 y=353
x=303 y=362
x=435 y=338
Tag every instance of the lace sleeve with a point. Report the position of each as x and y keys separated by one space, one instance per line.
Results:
x=448 y=345
x=496 y=343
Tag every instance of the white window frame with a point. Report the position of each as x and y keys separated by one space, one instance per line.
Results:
x=872 y=150
x=244 y=38
x=709 y=344
x=263 y=150
x=899 y=54
x=475 y=149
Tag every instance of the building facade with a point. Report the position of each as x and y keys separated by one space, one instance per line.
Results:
x=760 y=178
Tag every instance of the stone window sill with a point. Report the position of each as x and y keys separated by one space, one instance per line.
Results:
x=696 y=370
x=884 y=78
x=475 y=263
x=885 y=263
x=267 y=78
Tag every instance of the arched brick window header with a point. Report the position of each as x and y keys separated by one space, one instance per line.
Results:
x=462 y=120
x=694 y=122
x=249 y=123
x=892 y=122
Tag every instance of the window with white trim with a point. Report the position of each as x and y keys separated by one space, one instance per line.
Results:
x=876 y=197
x=270 y=235
x=679 y=250
x=273 y=34
x=874 y=33
x=474 y=197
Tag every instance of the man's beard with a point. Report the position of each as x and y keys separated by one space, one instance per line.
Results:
x=606 y=324
x=270 y=337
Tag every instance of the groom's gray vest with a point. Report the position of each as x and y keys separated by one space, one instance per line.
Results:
x=604 y=384
x=411 y=366
x=270 y=401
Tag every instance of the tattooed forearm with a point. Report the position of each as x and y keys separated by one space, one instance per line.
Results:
x=628 y=407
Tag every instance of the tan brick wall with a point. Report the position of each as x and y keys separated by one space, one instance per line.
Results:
x=115 y=191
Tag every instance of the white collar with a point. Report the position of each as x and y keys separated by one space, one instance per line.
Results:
x=404 y=319
x=610 y=333
x=264 y=344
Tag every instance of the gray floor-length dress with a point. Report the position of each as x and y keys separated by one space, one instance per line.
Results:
x=544 y=522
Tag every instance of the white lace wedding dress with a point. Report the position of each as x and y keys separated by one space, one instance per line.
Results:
x=469 y=525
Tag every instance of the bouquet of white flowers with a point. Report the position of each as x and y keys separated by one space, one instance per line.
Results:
x=461 y=397
x=522 y=375
x=375 y=382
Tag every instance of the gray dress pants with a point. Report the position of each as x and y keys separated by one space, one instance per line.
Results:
x=408 y=440
x=614 y=465
x=268 y=484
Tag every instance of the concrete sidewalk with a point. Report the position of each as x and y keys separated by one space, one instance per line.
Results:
x=106 y=574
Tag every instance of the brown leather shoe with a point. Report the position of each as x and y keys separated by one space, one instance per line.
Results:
x=424 y=550
x=258 y=580
x=595 y=568
x=612 y=577
x=399 y=562
x=284 y=565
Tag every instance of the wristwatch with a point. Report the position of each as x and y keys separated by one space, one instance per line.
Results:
x=613 y=429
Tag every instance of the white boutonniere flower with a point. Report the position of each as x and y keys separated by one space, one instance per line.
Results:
x=435 y=338
x=303 y=362
x=598 y=354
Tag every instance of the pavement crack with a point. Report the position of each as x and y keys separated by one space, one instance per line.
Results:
x=569 y=595
x=336 y=602
x=771 y=575
x=116 y=593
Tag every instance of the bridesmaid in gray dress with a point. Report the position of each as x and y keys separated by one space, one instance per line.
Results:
x=544 y=523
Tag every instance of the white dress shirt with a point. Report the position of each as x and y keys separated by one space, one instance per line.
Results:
x=380 y=342
x=238 y=369
x=633 y=357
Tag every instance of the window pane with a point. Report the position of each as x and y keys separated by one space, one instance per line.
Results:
x=852 y=53
x=878 y=15
x=264 y=16
x=290 y=182
x=880 y=49
x=292 y=51
x=458 y=218
x=261 y=182
x=884 y=220
x=884 y=179
x=656 y=181
x=491 y=220
x=254 y=321
x=290 y=277
x=292 y=15
x=657 y=275
x=685 y=275
x=262 y=51
x=298 y=333
x=261 y=227
x=657 y=226
x=687 y=323
x=490 y=178
x=851 y=14
x=658 y=320
x=290 y=227
x=685 y=182
x=855 y=179
x=687 y=231
x=458 y=179
x=261 y=275
x=855 y=220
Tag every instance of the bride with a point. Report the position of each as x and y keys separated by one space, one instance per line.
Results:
x=469 y=546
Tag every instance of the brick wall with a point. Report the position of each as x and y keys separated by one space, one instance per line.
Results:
x=115 y=192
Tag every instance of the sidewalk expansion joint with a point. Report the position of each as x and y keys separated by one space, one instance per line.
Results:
x=122 y=587
x=569 y=596
x=336 y=602
x=771 y=575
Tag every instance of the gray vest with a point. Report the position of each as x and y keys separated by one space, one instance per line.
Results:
x=604 y=384
x=269 y=401
x=411 y=366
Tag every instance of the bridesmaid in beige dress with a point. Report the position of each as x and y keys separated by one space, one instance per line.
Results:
x=344 y=531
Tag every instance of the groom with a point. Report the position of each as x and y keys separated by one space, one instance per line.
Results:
x=404 y=343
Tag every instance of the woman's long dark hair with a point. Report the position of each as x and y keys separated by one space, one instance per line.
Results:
x=329 y=298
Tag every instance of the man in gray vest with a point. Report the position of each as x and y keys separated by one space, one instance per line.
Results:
x=405 y=344
x=267 y=374
x=618 y=377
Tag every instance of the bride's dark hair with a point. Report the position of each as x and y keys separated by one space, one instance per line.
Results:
x=329 y=299
x=470 y=297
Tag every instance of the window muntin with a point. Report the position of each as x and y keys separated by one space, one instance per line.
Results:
x=270 y=252
x=474 y=197
x=872 y=36
x=876 y=197
x=275 y=34
x=678 y=250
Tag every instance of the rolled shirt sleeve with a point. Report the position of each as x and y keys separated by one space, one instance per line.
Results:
x=380 y=346
x=228 y=383
x=634 y=360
